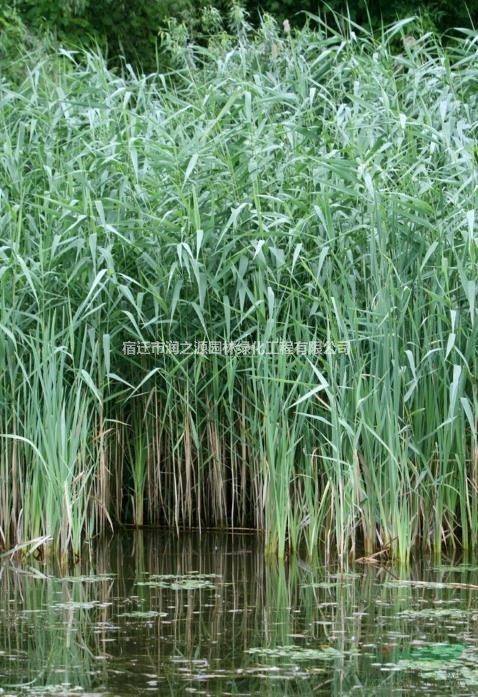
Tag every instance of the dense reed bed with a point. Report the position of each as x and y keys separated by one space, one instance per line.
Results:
x=243 y=293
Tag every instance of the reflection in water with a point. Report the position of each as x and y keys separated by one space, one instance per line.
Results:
x=208 y=616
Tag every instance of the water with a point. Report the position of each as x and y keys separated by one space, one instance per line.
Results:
x=151 y=614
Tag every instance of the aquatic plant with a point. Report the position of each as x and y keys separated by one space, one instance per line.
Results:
x=244 y=293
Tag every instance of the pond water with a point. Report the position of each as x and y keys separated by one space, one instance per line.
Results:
x=153 y=614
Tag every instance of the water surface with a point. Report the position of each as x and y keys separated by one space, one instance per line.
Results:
x=152 y=614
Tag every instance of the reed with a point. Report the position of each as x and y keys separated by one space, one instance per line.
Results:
x=313 y=194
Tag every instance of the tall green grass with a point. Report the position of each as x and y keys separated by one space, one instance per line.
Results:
x=315 y=187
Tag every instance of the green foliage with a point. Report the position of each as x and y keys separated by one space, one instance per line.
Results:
x=16 y=40
x=443 y=13
x=12 y=34
x=275 y=189
x=129 y=29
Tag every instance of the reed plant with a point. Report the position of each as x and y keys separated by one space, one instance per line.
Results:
x=243 y=293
